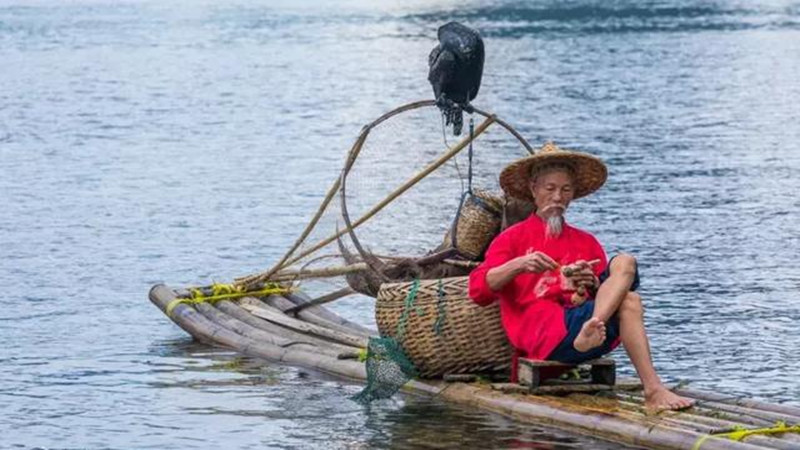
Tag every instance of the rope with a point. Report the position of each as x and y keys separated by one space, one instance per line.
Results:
x=469 y=154
x=221 y=292
x=740 y=433
x=407 y=307
x=441 y=312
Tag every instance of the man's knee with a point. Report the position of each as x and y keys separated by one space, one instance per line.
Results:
x=632 y=304
x=623 y=264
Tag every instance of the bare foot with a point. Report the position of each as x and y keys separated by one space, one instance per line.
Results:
x=663 y=399
x=592 y=334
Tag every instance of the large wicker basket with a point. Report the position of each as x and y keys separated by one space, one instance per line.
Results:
x=441 y=330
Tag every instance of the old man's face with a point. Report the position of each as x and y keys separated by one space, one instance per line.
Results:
x=552 y=192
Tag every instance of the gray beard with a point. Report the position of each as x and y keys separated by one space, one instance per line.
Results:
x=555 y=225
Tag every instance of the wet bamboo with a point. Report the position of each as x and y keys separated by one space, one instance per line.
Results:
x=282 y=338
x=292 y=337
x=310 y=315
x=207 y=331
x=763 y=417
x=323 y=316
x=214 y=315
x=701 y=424
x=634 y=411
x=719 y=421
x=276 y=316
x=733 y=400
x=549 y=412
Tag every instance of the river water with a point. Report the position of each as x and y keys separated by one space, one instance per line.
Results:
x=187 y=141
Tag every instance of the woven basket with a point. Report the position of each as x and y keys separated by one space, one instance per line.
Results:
x=477 y=223
x=468 y=339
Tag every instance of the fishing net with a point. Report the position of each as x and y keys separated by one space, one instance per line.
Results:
x=388 y=370
x=390 y=214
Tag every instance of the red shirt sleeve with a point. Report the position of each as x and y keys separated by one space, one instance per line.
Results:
x=500 y=252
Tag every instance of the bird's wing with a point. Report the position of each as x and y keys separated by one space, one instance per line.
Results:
x=442 y=70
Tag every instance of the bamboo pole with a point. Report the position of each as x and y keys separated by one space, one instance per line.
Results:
x=459 y=263
x=732 y=400
x=328 y=272
x=327 y=298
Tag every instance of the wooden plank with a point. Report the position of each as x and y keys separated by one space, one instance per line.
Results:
x=570 y=389
x=544 y=363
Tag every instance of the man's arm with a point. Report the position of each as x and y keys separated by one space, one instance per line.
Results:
x=535 y=262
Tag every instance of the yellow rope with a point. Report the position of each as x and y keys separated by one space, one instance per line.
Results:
x=740 y=433
x=221 y=291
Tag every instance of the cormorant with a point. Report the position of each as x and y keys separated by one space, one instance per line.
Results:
x=456 y=66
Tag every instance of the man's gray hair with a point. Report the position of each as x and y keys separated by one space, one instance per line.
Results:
x=537 y=171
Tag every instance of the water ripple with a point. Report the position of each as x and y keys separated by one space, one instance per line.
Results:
x=187 y=142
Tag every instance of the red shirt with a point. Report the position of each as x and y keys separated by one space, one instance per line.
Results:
x=532 y=304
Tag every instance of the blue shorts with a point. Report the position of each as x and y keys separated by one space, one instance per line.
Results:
x=575 y=318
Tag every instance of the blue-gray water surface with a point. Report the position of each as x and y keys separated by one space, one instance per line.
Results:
x=188 y=141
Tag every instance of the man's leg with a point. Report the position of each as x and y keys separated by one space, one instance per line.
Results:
x=634 y=339
x=610 y=295
x=622 y=271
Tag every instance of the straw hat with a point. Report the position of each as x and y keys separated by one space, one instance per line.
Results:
x=590 y=171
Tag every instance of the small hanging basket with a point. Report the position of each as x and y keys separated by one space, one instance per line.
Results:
x=441 y=330
x=477 y=222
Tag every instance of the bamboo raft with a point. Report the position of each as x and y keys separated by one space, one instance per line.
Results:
x=315 y=338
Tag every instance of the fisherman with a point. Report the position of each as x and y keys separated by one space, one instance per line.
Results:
x=523 y=269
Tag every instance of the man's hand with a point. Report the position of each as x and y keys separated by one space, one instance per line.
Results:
x=535 y=262
x=580 y=273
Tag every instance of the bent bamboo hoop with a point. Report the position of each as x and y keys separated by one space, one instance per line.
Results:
x=288 y=259
x=621 y=422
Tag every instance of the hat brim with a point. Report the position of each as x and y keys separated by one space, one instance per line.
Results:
x=590 y=173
